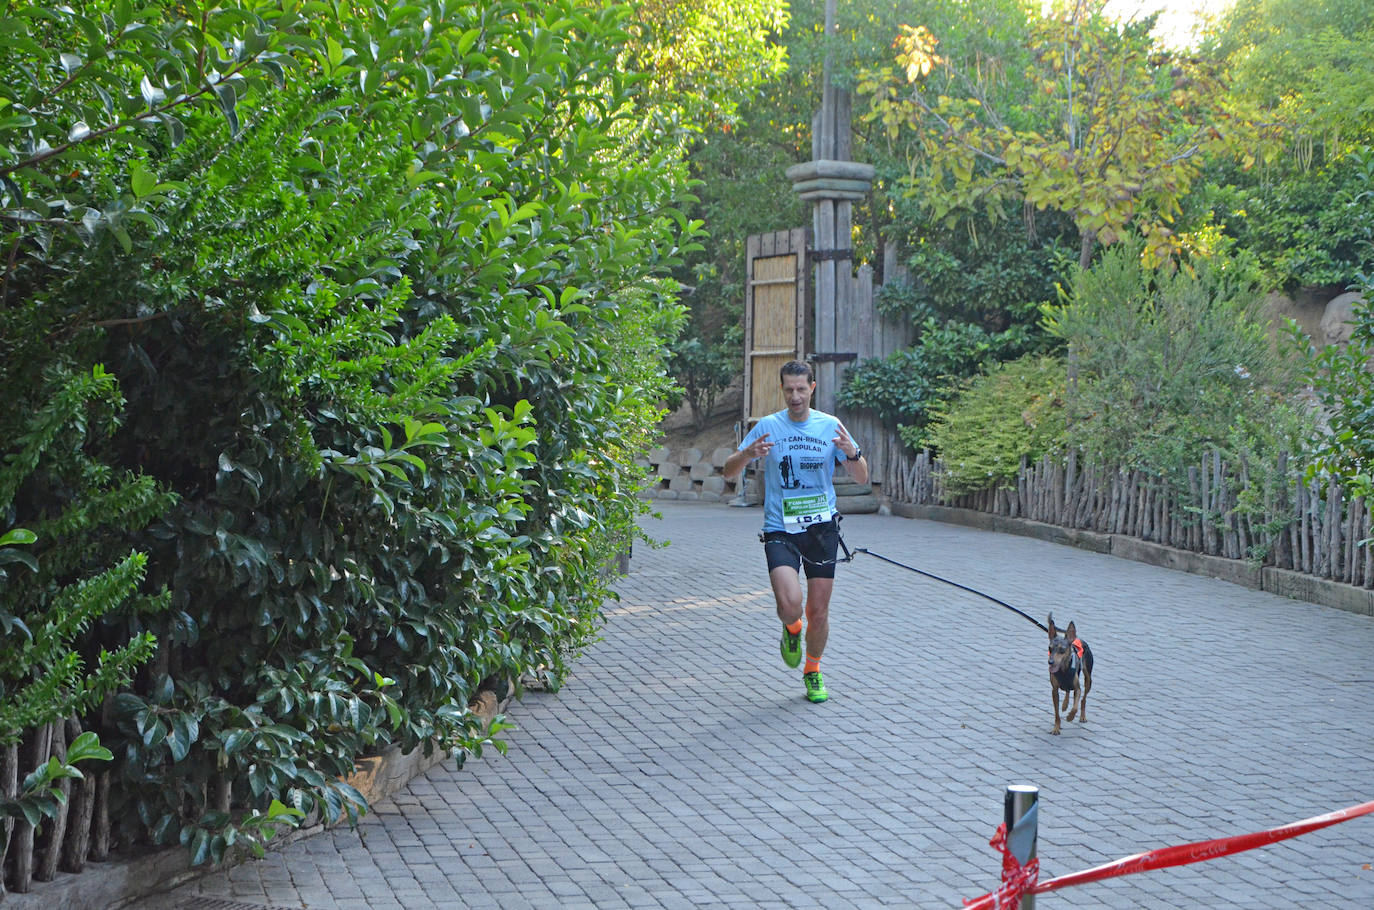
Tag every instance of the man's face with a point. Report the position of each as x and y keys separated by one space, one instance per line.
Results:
x=796 y=391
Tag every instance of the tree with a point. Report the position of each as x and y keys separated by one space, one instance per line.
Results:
x=703 y=58
x=1114 y=133
x=710 y=62
x=1306 y=68
x=1308 y=65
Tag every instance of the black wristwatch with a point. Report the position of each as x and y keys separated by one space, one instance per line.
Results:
x=858 y=453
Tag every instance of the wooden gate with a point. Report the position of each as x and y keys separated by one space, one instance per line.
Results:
x=775 y=316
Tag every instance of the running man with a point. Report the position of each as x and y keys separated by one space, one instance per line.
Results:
x=800 y=524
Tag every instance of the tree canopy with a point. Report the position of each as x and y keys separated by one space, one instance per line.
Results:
x=1111 y=130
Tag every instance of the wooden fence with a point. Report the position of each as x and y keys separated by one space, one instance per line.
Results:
x=81 y=830
x=1311 y=527
x=872 y=336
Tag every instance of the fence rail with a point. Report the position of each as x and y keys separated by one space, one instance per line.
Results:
x=1317 y=528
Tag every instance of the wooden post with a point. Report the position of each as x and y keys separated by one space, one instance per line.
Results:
x=1334 y=526
x=100 y=836
x=9 y=786
x=46 y=870
x=823 y=228
x=1368 y=549
x=40 y=741
x=82 y=812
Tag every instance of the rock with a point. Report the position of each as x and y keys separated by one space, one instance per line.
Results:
x=857 y=505
x=714 y=485
x=720 y=454
x=1338 y=319
x=846 y=487
x=689 y=457
x=658 y=455
x=701 y=470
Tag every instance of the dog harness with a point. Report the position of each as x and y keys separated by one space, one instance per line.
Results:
x=1076 y=658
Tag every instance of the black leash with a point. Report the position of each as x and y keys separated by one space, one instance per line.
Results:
x=849 y=557
x=1000 y=603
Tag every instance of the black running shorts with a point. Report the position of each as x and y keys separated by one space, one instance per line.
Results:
x=814 y=549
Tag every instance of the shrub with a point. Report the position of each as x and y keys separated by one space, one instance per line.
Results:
x=1166 y=366
x=1014 y=411
x=80 y=571
x=382 y=288
x=907 y=387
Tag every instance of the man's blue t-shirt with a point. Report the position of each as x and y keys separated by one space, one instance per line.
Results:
x=797 y=477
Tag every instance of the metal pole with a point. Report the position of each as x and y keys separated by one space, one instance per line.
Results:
x=1020 y=811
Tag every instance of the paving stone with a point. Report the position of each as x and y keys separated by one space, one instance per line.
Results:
x=1215 y=710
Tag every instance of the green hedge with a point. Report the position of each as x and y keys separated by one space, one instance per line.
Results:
x=381 y=287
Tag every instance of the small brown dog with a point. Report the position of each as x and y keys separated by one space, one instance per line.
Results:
x=1070 y=660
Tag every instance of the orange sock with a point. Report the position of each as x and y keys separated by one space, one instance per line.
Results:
x=813 y=664
x=795 y=628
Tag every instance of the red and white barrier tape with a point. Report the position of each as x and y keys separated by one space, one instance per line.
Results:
x=1182 y=855
x=1016 y=878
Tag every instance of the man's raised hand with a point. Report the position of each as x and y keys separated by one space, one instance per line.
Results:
x=843 y=441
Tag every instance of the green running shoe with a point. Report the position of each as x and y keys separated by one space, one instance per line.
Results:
x=791 y=648
x=815 y=686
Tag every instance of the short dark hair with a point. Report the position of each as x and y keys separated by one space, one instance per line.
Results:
x=796 y=368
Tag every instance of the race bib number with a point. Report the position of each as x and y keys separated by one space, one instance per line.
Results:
x=801 y=512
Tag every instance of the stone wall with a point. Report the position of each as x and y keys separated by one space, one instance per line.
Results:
x=689 y=473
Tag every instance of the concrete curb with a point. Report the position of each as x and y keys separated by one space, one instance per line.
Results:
x=127 y=882
x=1283 y=582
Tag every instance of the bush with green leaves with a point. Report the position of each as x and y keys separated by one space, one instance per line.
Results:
x=1014 y=411
x=908 y=387
x=1296 y=201
x=383 y=287
x=77 y=516
x=704 y=371
x=1166 y=366
x=1307 y=228
x=993 y=273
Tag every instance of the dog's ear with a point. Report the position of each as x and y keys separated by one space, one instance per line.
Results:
x=1050 y=622
x=1071 y=633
